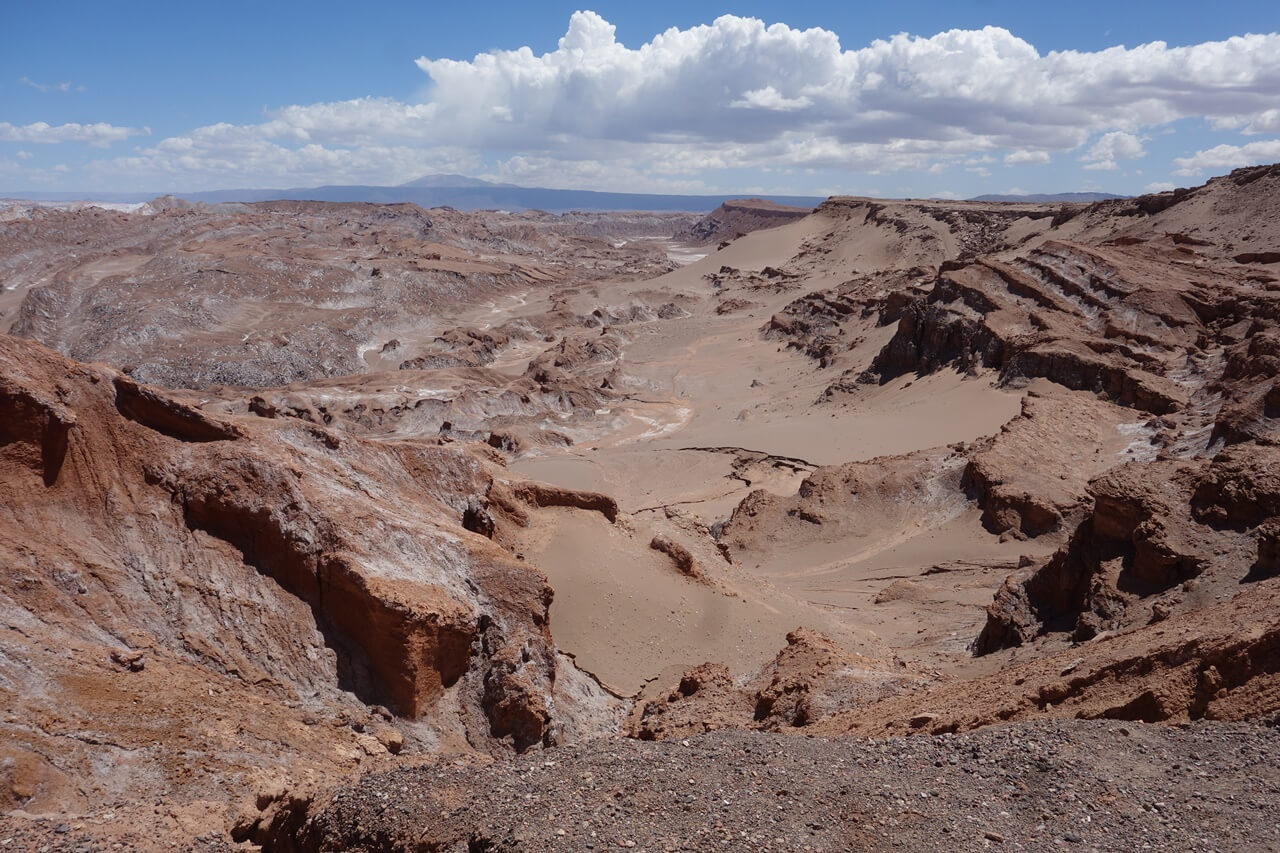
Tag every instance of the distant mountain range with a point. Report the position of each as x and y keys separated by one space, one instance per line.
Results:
x=451 y=181
x=464 y=193
x=1049 y=197
x=455 y=191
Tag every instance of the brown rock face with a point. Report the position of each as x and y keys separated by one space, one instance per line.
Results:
x=821 y=323
x=401 y=642
x=1268 y=538
x=708 y=676
x=1061 y=434
x=1240 y=489
x=541 y=495
x=1203 y=667
x=33 y=429
x=679 y=554
x=1046 y=314
x=157 y=412
x=250 y=563
x=1152 y=527
x=800 y=673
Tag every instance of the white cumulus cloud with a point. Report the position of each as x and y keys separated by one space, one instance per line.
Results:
x=988 y=85
x=99 y=134
x=1026 y=158
x=1222 y=157
x=1267 y=121
x=1113 y=146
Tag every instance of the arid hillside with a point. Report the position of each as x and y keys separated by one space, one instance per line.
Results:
x=334 y=526
x=265 y=294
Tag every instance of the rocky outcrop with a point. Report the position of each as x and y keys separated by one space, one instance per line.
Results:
x=1200 y=666
x=1268 y=563
x=1249 y=384
x=398 y=645
x=1240 y=489
x=517 y=697
x=732 y=219
x=809 y=679
x=259 y=569
x=823 y=324
x=866 y=500
x=1062 y=434
x=543 y=495
x=793 y=696
x=166 y=416
x=1063 y=312
x=680 y=556
x=34 y=429
x=1272 y=257
x=403 y=634
x=1155 y=533
x=463 y=347
x=1079 y=367
x=929 y=336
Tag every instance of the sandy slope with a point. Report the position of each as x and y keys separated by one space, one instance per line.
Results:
x=711 y=410
x=628 y=617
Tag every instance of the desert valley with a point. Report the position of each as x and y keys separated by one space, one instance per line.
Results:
x=919 y=523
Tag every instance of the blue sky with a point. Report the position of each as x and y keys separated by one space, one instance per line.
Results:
x=905 y=99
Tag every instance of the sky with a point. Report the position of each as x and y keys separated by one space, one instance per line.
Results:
x=905 y=99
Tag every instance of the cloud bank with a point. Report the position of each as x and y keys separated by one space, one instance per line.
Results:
x=738 y=81
x=99 y=134
x=737 y=94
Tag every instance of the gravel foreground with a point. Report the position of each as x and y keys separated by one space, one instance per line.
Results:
x=1069 y=785
x=1052 y=785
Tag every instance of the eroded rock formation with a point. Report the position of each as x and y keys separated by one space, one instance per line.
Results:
x=266 y=558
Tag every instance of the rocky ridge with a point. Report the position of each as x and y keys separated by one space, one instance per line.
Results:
x=735 y=218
